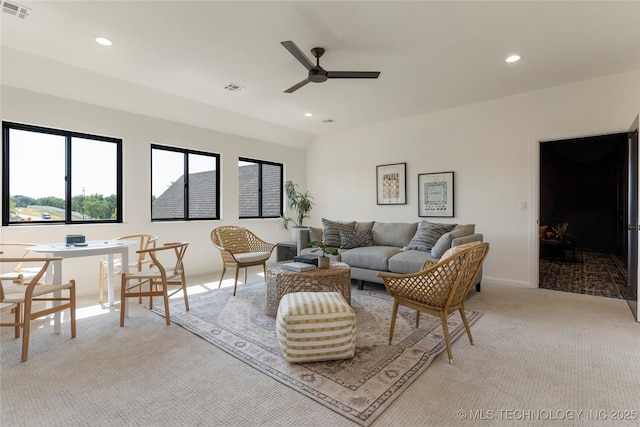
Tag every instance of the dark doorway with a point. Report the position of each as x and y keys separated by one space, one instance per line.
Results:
x=583 y=183
x=633 y=228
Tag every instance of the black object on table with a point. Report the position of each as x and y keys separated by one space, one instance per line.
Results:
x=561 y=250
x=286 y=251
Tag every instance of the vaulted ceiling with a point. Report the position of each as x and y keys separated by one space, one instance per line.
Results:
x=173 y=59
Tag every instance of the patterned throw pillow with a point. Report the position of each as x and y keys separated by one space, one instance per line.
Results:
x=332 y=231
x=234 y=239
x=427 y=235
x=356 y=239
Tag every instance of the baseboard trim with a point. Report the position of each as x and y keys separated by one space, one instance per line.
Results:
x=507 y=282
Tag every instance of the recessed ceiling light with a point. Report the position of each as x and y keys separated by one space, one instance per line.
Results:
x=103 y=41
x=513 y=58
x=308 y=114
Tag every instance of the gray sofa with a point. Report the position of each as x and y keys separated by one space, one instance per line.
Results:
x=370 y=247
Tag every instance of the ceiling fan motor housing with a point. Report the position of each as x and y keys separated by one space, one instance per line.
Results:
x=318 y=75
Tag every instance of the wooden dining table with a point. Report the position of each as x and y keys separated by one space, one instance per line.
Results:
x=110 y=248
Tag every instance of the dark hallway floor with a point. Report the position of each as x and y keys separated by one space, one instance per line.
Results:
x=593 y=273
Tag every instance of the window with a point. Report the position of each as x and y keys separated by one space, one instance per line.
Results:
x=184 y=184
x=260 y=188
x=56 y=176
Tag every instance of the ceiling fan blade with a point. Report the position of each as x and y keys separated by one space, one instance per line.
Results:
x=353 y=74
x=297 y=86
x=295 y=51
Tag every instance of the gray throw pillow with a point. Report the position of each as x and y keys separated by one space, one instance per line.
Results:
x=444 y=242
x=332 y=231
x=356 y=239
x=427 y=235
x=396 y=234
x=315 y=234
x=362 y=226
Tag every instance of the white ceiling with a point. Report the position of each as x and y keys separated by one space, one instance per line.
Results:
x=171 y=59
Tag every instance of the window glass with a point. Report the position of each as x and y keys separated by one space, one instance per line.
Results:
x=170 y=190
x=94 y=184
x=202 y=186
x=249 y=193
x=271 y=190
x=167 y=194
x=36 y=164
x=260 y=188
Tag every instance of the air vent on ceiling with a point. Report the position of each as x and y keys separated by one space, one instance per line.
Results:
x=328 y=121
x=232 y=87
x=15 y=9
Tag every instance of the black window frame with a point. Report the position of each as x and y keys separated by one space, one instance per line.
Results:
x=260 y=163
x=185 y=152
x=68 y=135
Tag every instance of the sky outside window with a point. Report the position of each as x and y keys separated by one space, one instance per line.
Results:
x=37 y=165
x=168 y=167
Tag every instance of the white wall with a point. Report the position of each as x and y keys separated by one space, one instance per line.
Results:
x=493 y=149
x=137 y=133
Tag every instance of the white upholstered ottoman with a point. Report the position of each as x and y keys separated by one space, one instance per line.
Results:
x=316 y=326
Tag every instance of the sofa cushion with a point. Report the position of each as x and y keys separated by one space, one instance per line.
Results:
x=371 y=257
x=362 y=226
x=315 y=234
x=408 y=261
x=444 y=242
x=332 y=231
x=393 y=233
x=252 y=256
x=427 y=235
x=355 y=239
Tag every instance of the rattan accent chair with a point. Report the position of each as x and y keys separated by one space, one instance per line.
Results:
x=440 y=288
x=240 y=248
x=145 y=241
x=167 y=270
x=21 y=298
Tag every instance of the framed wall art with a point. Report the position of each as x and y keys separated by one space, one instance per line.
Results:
x=435 y=194
x=391 y=184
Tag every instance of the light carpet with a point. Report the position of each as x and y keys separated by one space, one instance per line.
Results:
x=361 y=388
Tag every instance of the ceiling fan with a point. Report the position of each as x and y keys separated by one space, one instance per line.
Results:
x=317 y=74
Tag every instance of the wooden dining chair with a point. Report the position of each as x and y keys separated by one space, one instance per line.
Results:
x=22 y=298
x=167 y=270
x=17 y=273
x=240 y=248
x=137 y=263
x=439 y=289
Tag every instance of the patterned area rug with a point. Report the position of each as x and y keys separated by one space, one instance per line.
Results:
x=360 y=388
x=593 y=273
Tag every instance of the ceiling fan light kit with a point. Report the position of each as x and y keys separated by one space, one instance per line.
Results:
x=317 y=74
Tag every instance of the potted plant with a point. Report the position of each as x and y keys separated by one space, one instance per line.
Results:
x=298 y=201
x=323 y=261
x=561 y=231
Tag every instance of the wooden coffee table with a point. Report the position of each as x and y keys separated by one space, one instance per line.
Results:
x=280 y=281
